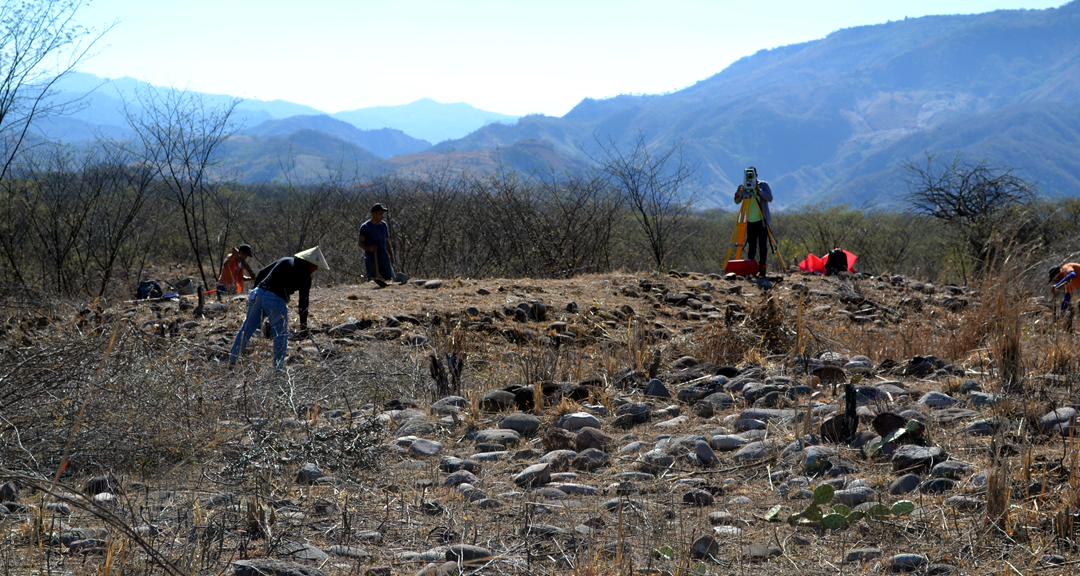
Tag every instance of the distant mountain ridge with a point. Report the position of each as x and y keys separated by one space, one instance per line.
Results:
x=103 y=99
x=384 y=142
x=425 y=119
x=832 y=119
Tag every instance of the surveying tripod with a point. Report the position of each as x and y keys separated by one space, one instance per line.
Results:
x=738 y=237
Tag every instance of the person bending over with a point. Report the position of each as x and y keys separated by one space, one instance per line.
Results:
x=273 y=286
x=235 y=271
x=1065 y=276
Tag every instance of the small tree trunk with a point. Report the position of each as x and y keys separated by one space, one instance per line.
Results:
x=851 y=419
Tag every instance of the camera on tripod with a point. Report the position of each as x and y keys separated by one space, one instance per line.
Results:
x=750 y=179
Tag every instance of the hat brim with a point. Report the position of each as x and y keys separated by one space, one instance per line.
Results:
x=313 y=256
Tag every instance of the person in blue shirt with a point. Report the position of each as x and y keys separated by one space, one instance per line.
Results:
x=757 y=219
x=374 y=240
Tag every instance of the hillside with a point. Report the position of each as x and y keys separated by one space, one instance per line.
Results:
x=824 y=119
x=303 y=156
x=524 y=156
x=276 y=153
x=596 y=425
x=384 y=142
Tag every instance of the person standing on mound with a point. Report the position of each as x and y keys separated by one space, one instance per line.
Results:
x=273 y=286
x=374 y=240
x=757 y=219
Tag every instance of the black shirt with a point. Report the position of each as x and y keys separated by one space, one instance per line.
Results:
x=284 y=277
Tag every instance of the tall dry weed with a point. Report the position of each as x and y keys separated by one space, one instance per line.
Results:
x=999 y=317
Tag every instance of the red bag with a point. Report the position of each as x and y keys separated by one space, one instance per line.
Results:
x=812 y=264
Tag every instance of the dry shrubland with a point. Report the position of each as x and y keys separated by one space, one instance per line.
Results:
x=203 y=460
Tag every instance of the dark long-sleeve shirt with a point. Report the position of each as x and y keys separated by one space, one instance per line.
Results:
x=284 y=277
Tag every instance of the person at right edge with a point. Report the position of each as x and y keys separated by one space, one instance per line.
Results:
x=1066 y=276
x=757 y=219
x=374 y=240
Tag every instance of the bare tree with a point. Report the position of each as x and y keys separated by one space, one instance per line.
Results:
x=116 y=228
x=40 y=43
x=425 y=208
x=62 y=202
x=973 y=197
x=656 y=187
x=178 y=135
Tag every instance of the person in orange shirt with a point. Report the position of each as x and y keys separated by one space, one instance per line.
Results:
x=1067 y=276
x=235 y=271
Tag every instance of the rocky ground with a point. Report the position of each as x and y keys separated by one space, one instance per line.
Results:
x=685 y=424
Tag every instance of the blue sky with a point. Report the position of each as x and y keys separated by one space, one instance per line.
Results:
x=515 y=57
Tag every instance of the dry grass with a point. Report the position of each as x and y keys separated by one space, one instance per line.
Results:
x=178 y=430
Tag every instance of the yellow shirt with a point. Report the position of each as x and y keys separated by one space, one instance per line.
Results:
x=754 y=215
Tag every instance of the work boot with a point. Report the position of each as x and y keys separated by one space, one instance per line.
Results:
x=761 y=270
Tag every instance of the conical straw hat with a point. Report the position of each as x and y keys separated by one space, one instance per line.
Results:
x=313 y=255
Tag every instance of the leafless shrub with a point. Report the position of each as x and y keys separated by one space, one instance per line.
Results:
x=657 y=188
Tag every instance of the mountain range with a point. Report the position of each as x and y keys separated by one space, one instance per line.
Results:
x=101 y=104
x=830 y=120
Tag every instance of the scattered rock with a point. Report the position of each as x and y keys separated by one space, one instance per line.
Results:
x=964 y=503
x=497 y=401
x=705 y=547
x=911 y=458
x=754 y=451
x=937 y=400
x=309 y=473
x=904 y=484
x=1060 y=421
x=500 y=436
x=760 y=552
x=862 y=554
x=698 y=498
x=535 y=475
x=590 y=459
x=460 y=477
x=656 y=461
x=656 y=389
x=578 y=420
x=727 y=442
x=589 y=437
x=953 y=469
x=9 y=492
x=466 y=553
x=705 y=455
x=265 y=566
x=523 y=424
x=423 y=447
x=906 y=562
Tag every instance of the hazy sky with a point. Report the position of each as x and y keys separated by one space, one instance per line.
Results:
x=515 y=57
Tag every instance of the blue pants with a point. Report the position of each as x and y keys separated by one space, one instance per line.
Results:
x=264 y=304
x=386 y=270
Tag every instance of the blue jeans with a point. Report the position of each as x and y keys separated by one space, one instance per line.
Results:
x=264 y=304
x=386 y=270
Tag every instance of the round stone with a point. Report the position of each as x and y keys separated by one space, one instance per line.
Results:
x=523 y=424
